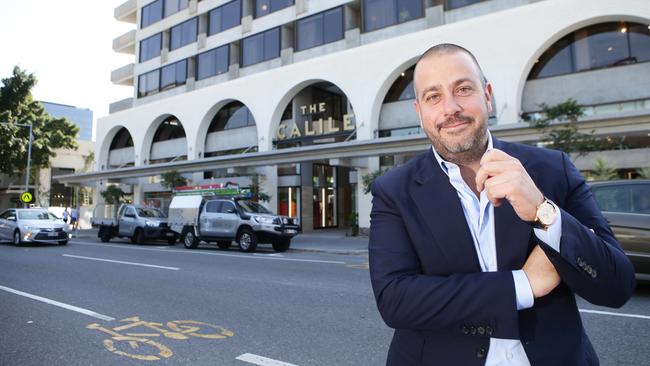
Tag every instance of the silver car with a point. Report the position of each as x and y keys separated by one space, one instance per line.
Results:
x=22 y=225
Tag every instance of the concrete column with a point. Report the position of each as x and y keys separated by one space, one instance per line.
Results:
x=138 y=192
x=306 y=198
x=365 y=200
x=268 y=181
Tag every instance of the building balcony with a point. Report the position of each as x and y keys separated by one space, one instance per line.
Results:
x=127 y=12
x=120 y=105
x=123 y=75
x=125 y=43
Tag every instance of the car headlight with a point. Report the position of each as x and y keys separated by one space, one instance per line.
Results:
x=151 y=223
x=263 y=219
x=32 y=228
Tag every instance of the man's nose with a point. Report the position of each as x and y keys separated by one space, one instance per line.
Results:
x=450 y=106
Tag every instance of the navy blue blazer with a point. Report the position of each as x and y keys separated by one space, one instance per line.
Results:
x=428 y=282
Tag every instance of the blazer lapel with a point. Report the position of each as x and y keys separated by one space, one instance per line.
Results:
x=512 y=235
x=442 y=215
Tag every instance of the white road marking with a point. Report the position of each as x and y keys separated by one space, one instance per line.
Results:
x=277 y=255
x=615 y=314
x=121 y=262
x=59 y=304
x=188 y=251
x=261 y=361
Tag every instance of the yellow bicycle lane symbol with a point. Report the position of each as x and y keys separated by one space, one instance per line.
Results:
x=137 y=345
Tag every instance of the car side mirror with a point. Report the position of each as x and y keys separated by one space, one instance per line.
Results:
x=11 y=218
x=230 y=210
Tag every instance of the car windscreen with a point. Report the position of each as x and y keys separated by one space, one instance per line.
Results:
x=36 y=215
x=150 y=212
x=252 y=207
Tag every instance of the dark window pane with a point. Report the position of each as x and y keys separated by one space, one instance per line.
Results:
x=378 y=14
x=151 y=13
x=212 y=62
x=310 y=32
x=640 y=42
x=227 y=207
x=181 y=72
x=150 y=47
x=222 y=59
x=402 y=88
x=263 y=7
x=557 y=60
x=174 y=74
x=174 y=6
x=272 y=44
x=148 y=83
x=232 y=115
x=231 y=14
x=607 y=47
x=453 y=4
x=409 y=10
x=214 y=21
x=183 y=34
x=253 y=50
x=333 y=25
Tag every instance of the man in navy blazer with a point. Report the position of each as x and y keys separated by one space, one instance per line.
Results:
x=479 y=246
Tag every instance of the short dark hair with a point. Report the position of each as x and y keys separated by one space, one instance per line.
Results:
x=445 y=49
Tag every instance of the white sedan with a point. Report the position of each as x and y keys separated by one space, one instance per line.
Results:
x=21 y=225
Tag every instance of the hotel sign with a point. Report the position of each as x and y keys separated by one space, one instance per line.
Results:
x=320 y=127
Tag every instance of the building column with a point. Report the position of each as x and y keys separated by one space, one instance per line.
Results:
x=365 y=200
x=268 y=181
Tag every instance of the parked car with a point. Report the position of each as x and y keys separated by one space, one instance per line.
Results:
x=626 y=206
x=223 y=220
x=135 y=222
x=22 y=225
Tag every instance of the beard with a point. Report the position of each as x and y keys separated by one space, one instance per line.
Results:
x=468 y=149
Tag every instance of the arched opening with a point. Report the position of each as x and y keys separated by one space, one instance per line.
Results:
x=169 y=142
x=121 y=153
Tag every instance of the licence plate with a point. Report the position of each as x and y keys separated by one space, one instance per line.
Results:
x=290 y=231
x=169 y=234
x=52 y=234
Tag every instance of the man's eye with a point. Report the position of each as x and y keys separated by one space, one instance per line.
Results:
x=464 y=90
x=432 y=98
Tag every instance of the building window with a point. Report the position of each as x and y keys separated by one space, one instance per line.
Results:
x=212 y=62
x=121 y=140
x=261 y=47
x=232 y=115
x=383 y=13
x=150 y=47
x=169 y=129
x=151 y=13
x=595 y=47
x=224 y=17
x=174 y=6
x=263 y=7
x=173 y=75
x=319 y=29
x=148 y=83
x=184 y=33
x=402 y=88
x=453 y=4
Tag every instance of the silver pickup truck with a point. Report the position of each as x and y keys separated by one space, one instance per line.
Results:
x=222 y=220
x=135 y=222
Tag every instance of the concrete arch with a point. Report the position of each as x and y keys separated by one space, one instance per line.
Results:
x=288 y=96
x=559 y=33
x=204 y=126
x=379 y=97
x=147 y=139
x=104 y=149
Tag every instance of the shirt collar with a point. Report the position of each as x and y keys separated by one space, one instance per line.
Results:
x=445 y=165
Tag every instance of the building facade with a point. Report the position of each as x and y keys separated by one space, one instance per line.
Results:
x=217 y=81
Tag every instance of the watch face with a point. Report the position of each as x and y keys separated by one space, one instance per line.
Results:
x=546 y=213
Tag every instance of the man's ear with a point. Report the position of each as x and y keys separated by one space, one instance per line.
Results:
x=417 y=110
x=488 y=96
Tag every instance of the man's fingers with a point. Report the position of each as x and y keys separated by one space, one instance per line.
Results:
x=494 y=155
x=492 y=169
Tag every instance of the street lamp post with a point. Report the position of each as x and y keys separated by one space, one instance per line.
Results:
x=29 y=152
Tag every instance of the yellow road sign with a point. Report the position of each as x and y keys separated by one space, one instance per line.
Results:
x=26 y=197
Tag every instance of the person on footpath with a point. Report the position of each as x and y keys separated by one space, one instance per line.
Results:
x=478 y=247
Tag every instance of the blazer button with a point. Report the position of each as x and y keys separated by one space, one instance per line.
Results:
x=489 y=330
x=594 y=273
x=481 y=330
x=480 y=353
x=465 y=329
x=472 y=330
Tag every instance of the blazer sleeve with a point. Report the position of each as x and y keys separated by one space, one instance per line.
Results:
x=456 y=304
x=591 y=261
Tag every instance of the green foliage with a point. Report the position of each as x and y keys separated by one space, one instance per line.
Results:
x=644 y=172
x=256 y=189
x=49 y=133
x=567 y=137
x=113 y=195
x=368 y=179
x=172 y=179
x=602 y=172
x=353 y=221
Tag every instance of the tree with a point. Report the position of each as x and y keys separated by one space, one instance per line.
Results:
x=566 y=137
x=601 y=171
x=368 y=179
x=49 y=133
x=113 y=195
x=172 y=179
x=256 y=189
x=644 y=172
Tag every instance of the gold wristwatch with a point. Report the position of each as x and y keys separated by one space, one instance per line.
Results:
x=545 y=215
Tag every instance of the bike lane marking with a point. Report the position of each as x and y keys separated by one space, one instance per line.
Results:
x=59 y=304
x=261 y=361
x=121 y=262
x=614 y=314
x=187 y=251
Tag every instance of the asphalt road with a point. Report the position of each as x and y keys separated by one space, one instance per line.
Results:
x=123 y=304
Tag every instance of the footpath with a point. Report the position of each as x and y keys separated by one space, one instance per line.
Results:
x=332 y=241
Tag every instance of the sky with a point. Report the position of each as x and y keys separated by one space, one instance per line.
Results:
x=68 y=46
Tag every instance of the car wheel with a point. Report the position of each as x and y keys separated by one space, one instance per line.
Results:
x=189 y=240
x=247 y=240
x=223 y=244
x=17 y=240
x=63 y=242
x=105 y=237
x=281 y=244
x=138 y=236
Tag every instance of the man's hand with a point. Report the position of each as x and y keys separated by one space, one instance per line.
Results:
x=504 y=177
x=541 y=273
